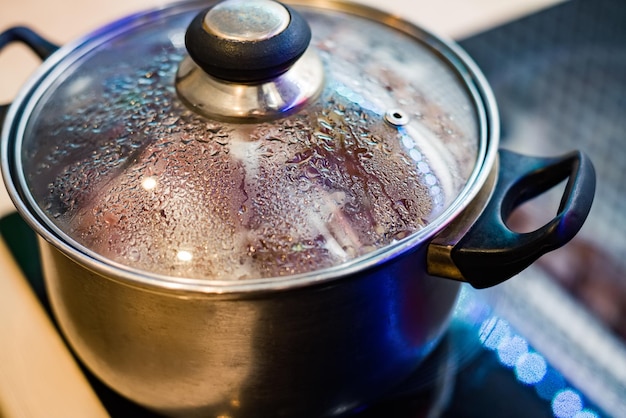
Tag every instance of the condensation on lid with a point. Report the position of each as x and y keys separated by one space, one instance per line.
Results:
x=120 y=165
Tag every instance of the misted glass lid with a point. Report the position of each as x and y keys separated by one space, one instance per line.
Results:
x=357 y=140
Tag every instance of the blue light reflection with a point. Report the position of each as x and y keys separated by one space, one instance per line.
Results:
x=511 y=349
x=567 y=403
x=532 y=369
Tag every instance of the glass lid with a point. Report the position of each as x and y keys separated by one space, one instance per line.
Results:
x=148 y=153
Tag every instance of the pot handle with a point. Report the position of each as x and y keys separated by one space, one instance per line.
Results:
x=489 y=252
x=40 y=46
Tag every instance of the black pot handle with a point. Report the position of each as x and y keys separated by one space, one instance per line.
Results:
x=40 y=46
x=489 y=252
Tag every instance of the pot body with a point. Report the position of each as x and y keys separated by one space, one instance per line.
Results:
x=317 y=351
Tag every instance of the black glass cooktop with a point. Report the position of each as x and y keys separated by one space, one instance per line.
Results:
x=560 y=79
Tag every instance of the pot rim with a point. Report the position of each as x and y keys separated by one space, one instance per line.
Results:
x=22 y=107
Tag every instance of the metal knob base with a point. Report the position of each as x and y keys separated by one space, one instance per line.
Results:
x=240 y=102
x=248 y=61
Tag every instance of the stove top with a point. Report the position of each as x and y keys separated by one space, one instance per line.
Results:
x=550 y=342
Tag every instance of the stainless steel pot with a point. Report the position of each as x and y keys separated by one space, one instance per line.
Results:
x=318 y=324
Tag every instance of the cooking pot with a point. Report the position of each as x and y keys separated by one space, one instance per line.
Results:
x=256 y=209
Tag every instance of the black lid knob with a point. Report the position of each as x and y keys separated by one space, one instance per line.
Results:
x=247 y=40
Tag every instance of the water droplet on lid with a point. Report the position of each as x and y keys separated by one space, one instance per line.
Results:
x=222 y=140
x=304 y=184
x=213 y=149
x=171 y=121
x=325 y=124
x=324 y=137
x=400 y=235
x=134 y=254
x=311 y=172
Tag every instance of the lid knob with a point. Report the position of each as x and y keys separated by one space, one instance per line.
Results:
x=249 y=60
x=247 y=40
